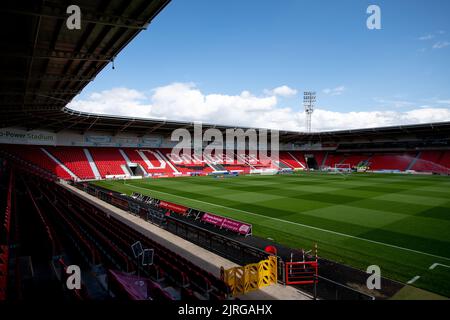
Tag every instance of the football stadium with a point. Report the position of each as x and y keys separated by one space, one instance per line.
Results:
x=105 y=207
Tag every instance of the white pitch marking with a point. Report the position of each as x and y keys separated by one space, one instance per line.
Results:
x=413 y=280
x=298 y=224
x=433 y=266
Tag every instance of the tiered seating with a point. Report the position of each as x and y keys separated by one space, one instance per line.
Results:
x=432 y=156
x=114 y=240
x=183 y=167
x=300 y=156
x=178 y=268
x=319 y=156
x=108 y=161
x=398 y=161
x=134 y=157
x=73 y=227
x=286 y=158
x=124 y=287
x=186 y=165
x=236 y=164
x=44 y=208
x=5 y=220
x=355 y=159
x=333 y=158
x=428 y=161
x=35 y=155
x=4 y=256
x=445 y=159
x=75 y=159
x=242 y=163
x=254 y=161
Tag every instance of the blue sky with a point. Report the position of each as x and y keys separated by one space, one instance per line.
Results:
x=226 y=47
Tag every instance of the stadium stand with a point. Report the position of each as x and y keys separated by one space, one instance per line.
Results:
x=184 y=164
x=75 y=159
x=396 y=161
x=319 y=157
x=116 y=161
x=331 y=159
x=109 y=161
x=445 y=159
x=355 y=159
x=135 y=157
x=5 y=219
x=432 y=161
x=35 y=155
x=293 y=159
x=102 y=239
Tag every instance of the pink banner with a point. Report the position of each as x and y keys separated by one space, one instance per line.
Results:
x=229 y=224
x=174 y=207
x=213 y=219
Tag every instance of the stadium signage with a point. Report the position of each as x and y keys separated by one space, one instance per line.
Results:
x=99 y=140
x=229 y=224
x=174 y=207
x=152 y=142
x=18 y=136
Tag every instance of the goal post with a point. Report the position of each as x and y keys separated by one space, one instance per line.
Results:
x=343 y=168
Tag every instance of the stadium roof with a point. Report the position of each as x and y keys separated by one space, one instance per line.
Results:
x=45 y=65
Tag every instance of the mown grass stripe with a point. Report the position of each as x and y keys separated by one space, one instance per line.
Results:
x=305 y=226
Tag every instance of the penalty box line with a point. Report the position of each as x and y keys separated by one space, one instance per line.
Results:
x=432 y=267
x=298 y=224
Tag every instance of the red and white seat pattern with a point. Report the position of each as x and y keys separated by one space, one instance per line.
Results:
x=74 y=159
x=73 y=162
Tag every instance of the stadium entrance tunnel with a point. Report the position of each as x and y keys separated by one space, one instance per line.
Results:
x=135 y=170
x=312 y=163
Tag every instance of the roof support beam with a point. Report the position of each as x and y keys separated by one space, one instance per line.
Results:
x=30 y=63
x=48 y=78
x=129 y=123
x=60 y=55
x=152 y=129
x=89 y=17
x=39 y=93
x=91 y=125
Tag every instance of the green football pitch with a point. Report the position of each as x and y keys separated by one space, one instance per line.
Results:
x=399 y=222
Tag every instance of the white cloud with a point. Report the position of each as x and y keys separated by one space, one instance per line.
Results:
x=394 y=103
x=438 y=43
x=335 y=91
x=186 y=102
x=427 y=37
x=441 y=44
x=117 y=101
x=283 y=91
x=329 y=120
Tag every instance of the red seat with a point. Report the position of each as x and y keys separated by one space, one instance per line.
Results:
x=74 y=159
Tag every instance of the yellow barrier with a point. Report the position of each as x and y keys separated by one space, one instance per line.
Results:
x=251 y=277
